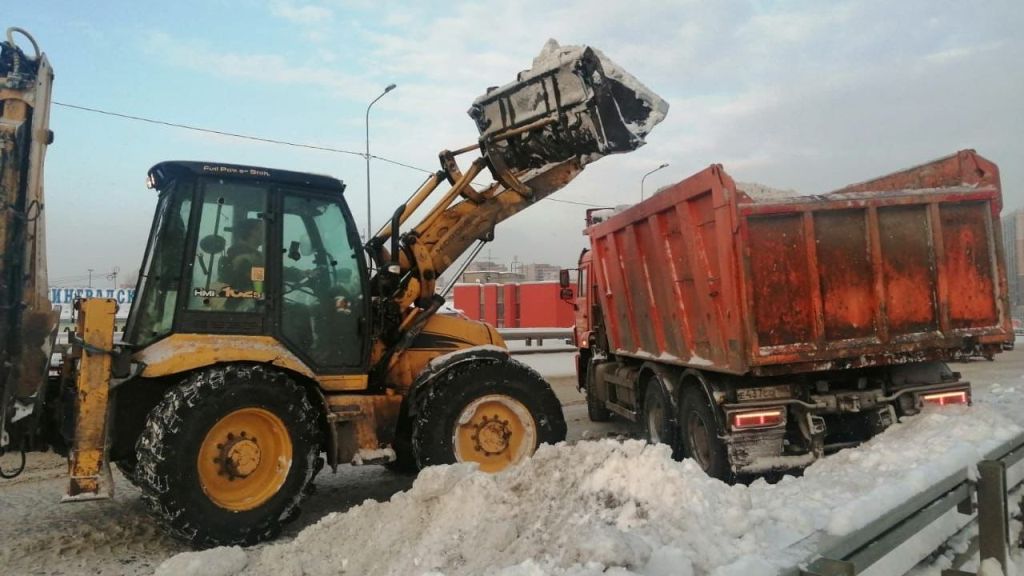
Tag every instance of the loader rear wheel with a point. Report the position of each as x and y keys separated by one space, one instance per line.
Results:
x=226 y=457
x=700 y=436
x=495 y=414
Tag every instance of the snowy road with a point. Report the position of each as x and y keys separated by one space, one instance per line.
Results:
x=640 y=512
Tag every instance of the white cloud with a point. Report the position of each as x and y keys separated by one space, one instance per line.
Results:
x=810 y=96
x=306 y=14
x=258 y=67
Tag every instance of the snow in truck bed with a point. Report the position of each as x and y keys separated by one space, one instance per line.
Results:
x=624 y=508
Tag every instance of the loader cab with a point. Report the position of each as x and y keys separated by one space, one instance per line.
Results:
x=248 y=251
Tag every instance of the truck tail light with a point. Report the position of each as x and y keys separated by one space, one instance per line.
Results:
x=945 y=398
x=767 y=418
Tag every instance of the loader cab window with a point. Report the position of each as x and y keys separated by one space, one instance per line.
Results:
x=321 y=283
x=229 y=267
x=153 y=313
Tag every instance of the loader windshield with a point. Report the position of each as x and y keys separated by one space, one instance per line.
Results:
x=151 y=317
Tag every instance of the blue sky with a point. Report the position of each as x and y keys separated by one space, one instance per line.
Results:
x=804 y=95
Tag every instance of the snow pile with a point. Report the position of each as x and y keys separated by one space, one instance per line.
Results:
x=553 y=55
x=227 y=561
x=607 y=507
x=762 y=193
x=602 y=214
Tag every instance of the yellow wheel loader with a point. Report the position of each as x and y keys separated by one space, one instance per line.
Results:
x=266 y=338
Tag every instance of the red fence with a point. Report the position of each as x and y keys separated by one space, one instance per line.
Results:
x=523 y=305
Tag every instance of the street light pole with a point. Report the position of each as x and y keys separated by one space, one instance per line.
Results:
x=645 y=178
x=387 y=89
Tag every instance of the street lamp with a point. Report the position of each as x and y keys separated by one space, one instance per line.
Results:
x=387 y=89
x=645 y=178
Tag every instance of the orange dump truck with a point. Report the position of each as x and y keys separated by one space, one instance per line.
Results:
x=755 y=331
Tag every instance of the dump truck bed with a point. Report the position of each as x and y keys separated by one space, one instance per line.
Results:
x=903 y=268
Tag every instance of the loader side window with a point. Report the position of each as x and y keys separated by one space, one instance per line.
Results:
x=230 y=260
x=322 y=286
x=153 y=314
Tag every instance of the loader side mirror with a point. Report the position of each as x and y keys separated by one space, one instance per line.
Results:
x=563 y=280
x=565 y=294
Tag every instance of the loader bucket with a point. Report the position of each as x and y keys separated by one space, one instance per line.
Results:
x=573 y=104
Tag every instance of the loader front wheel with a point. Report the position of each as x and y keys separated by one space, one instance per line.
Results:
x=226 y=456
x=493 y=413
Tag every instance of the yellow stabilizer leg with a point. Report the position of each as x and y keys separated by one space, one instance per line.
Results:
x=88 y=467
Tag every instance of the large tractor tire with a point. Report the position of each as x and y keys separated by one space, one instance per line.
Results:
x=700 y=436
x=227 y=456
x=492 y=412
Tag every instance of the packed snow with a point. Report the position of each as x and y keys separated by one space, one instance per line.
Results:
x=627 y=508
x=576 y=510
x=763 y=193
x=553 y=54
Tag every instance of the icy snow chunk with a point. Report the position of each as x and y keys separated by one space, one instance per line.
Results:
x=553 y=55
x=222 y=561
x=604 y=508
x=762 y=193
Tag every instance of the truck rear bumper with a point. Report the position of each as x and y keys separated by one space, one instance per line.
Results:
x=803 y=435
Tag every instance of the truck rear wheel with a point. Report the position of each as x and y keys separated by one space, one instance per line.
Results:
x=493 y=413
x=226 y=456
x=700 y=434
x=658 y=426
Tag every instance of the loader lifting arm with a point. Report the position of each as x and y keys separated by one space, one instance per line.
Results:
x=27 y=319
x=571 y=108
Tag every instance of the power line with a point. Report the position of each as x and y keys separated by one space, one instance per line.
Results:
x=210 y=130
x=270 y=141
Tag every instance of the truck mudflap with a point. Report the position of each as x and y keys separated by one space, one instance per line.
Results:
x=572 y=104
x=27 y=318
x=790 y=434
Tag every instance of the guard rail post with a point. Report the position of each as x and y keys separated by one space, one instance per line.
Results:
x=993 y=512
x=993 y=516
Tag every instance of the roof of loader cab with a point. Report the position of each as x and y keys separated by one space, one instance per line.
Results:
x=164 y=171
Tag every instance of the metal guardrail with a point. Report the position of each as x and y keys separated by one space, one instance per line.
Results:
x=538 y=335
x=959 y=501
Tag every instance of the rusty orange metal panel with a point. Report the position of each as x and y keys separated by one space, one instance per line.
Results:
x=900 y=268
x=667 y=276
x=908 y=269
x=967 y=236
x=780 y=280
x=845 y=270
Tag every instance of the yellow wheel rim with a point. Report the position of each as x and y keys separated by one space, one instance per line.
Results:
x=244 y=459
x=495 y=431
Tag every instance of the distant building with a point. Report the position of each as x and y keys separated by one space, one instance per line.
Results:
x=487 y=271
x=490 y=277
x=539 y=272
x=1013 y=248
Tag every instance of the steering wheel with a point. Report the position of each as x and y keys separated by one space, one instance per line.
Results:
x=303 y=285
